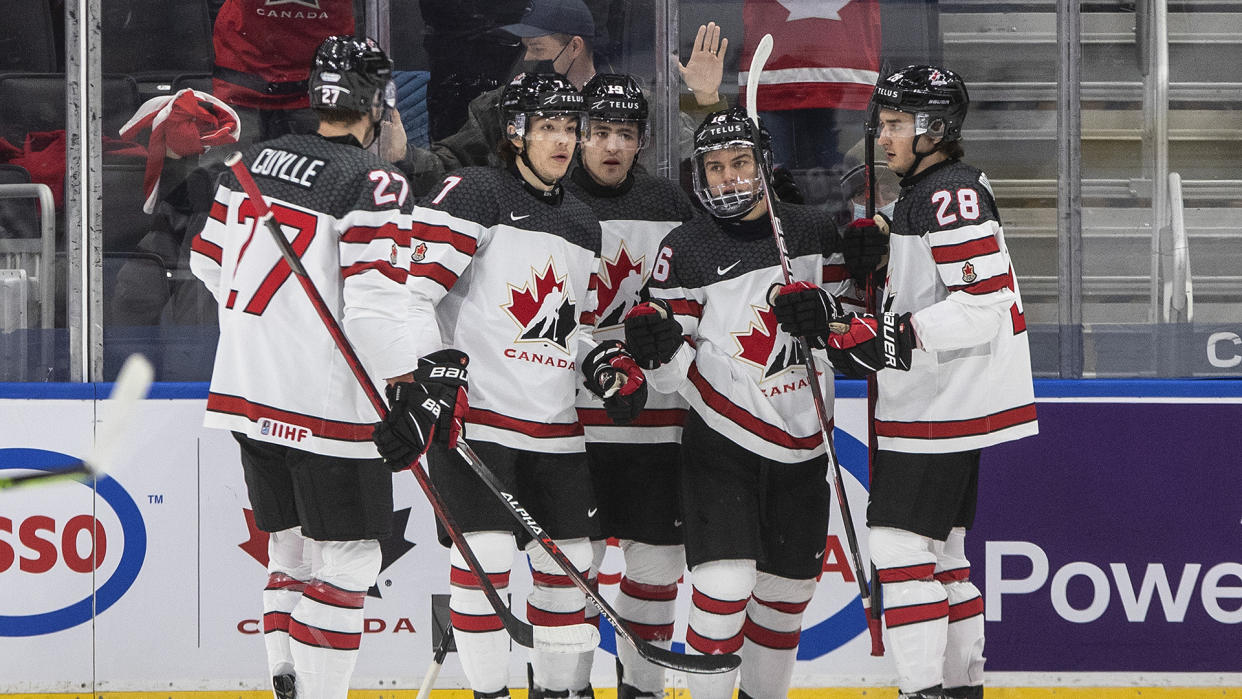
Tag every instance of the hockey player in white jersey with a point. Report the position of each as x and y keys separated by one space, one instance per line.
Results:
x=754 y=497
x=304 y=426
x=504 y=268
x=950 y=346
x=635 y=466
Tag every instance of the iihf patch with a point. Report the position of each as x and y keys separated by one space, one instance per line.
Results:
x=968 y=273
x=420 y=252
x=265 y=426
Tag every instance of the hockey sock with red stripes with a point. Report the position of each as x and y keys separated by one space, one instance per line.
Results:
x=288 y=569
x=721 y=590
x=773 y=627
x=481 y=639
x=916 y=608
x=963 y=659
x=647 y=601
x=555 y=601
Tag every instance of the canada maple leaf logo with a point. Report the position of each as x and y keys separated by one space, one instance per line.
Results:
x=765 y=345
x=543 y=309
x=619 y=285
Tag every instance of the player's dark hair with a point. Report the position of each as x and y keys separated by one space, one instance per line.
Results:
x=953 y=149
x=337 y=115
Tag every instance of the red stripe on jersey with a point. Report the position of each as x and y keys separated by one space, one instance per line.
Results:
x=280 y=581
x=915 y=613
x=948 y=429
x=388 y=231
x=684 y=307
x=836 y=273
x=479 y=416
x=716 y=606
x=651 y=417
x=965 y=610
x=466 y=579
x=779 y=640
x=550 y=579
x=320 y=427
x=922 y=571
x=986 y=286
x=955 y=575
x=275 y=621
x=783 y=607
x=712 y=646
x=587 y=318
x=436 y=272
x=322 y=638
x=650 y=632
x=203 y=247
x=475 y=623
x=542 y=617
x=648 y=593
x=960 y=252
x=333 y=596
x=443 y=234
x=382 y=266
x=739 y=416
x=219 y=212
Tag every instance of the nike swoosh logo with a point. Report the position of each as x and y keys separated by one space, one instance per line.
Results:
x=725 y=270
x=821 y=553
x=591 y=512
x=677 y=523
x=513 y=215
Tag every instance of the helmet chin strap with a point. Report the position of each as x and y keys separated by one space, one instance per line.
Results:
x=531 y=166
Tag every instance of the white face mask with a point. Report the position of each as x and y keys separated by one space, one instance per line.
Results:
x=860 y=211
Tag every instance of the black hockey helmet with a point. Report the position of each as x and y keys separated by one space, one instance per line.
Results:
x=936 y=97
x=731 y=128
x=539 y=94
x=347 y=72
x=615 y=97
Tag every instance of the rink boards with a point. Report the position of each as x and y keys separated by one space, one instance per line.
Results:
x=1107 y=548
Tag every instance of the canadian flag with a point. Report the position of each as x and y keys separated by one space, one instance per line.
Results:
x=825 y=53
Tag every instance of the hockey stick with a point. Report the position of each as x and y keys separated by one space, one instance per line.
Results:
x=700 y=664
x=578 y=638
x=873 y=391
x=762 y=51
x=131 y=386
x=437 y=663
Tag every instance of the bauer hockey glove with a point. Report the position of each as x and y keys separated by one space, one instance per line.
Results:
x=432 y=406
x=866 y=343
x=612 y=374
x=652 y=334
x=803 y=310
x=864 y=242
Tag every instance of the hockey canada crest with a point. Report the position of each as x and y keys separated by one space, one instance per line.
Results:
x=420 y=252
x=968 y=273
x=765 y=345
x=619 y=284
x=543 y=308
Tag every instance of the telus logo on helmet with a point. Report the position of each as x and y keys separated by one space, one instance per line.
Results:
x=34 y=544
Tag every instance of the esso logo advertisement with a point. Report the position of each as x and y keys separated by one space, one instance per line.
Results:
x=55 y=539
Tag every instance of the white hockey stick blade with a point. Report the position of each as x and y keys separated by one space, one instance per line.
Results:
x=757 y=61
x=578 y=638
x=121 y=410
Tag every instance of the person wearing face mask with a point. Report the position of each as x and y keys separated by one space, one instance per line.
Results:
x=314 y=480
x=557 y=37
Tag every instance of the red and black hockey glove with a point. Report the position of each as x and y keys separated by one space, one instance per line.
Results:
x=432 y=406
x=804 y=310
x=613 y=375
x=869 y=343
x=652 y=334
x=864 y=242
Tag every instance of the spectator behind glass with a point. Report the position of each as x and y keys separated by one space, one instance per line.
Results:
x=468 y=54
x=824 y=59
x=263 y=55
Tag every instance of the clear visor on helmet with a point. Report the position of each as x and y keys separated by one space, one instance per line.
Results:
x=727 y=178
x=390 y=95
x=550 y=126
x=616 y=134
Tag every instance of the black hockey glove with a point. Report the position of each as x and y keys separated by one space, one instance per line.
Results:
x=864 y=242
x=804 y=310
x=432 y=406
x=785 y=187
x=652 y=334
x=612 y=374
x=867 y=343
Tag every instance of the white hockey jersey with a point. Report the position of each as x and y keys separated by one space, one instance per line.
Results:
x=634 y=218
x=970 y=384
x=740 y=372
x=278 y=376
x=508 y=276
